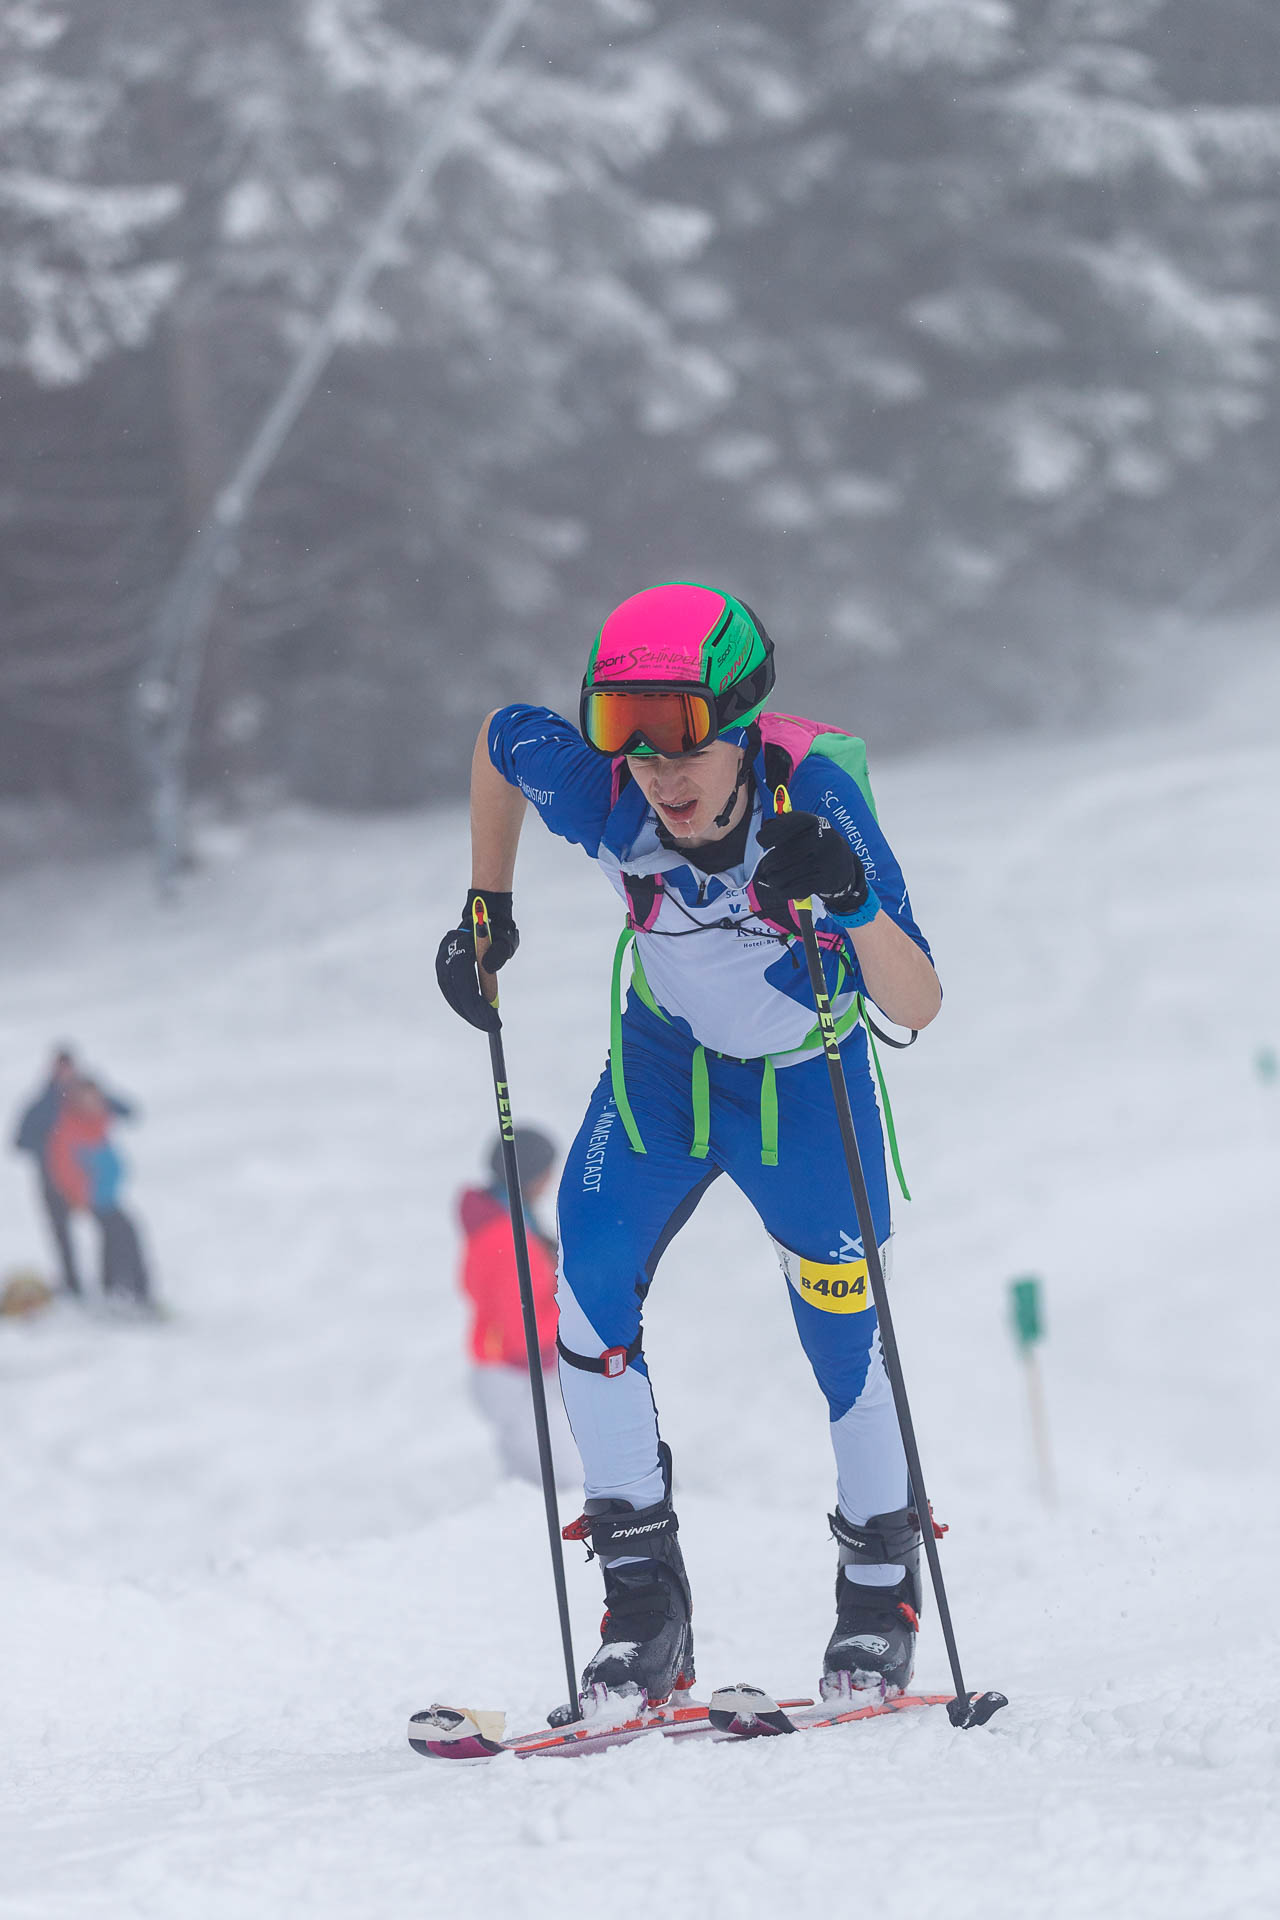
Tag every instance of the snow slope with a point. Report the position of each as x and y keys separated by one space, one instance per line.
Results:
x=236 y=1550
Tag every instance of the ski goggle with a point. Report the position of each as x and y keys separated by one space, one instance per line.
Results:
x=670 y=719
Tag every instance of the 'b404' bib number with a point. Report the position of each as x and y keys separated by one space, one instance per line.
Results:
x=845 y=1295
x=835 y=1289
x=832 y=1288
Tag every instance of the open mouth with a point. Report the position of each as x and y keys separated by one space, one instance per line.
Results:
x=681 y=814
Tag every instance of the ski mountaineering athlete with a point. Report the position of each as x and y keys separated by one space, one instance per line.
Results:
x=715 y=1066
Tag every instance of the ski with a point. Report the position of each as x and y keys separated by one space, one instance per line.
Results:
x=472 y=1733
x=748 y=1713
x=733 y=1713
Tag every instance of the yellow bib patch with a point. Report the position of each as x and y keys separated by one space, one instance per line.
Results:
x=831 y=1286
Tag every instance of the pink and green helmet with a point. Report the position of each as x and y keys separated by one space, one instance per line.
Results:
x=672 y=669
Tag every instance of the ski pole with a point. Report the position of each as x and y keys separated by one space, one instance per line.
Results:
x=967 y=1709
x=515 y=1203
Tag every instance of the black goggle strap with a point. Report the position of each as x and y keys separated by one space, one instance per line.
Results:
x=743 y=695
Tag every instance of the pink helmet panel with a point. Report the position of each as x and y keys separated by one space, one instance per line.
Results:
x=658 y=635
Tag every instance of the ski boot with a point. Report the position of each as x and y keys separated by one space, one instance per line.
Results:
x=646 y=1636
x=873 y=1648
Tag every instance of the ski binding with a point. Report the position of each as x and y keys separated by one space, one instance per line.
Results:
x=746 y=1713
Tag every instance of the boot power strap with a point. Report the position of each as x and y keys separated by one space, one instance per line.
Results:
x=883 y=1542
x=613 y=1533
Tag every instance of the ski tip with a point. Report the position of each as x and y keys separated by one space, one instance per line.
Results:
x=747 y=1712
x=975 y=1709
x=457 y=1733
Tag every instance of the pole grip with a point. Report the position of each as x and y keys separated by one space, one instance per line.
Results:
x=488 y=982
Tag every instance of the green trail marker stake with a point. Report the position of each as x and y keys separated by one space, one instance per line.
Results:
x=1028 y=1330
x=1028 y=1325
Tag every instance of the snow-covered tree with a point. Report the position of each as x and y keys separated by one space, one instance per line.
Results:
x=404 y=518
x=1003 y=278
x=83 y=269
x=525 y=318
x=883 y=309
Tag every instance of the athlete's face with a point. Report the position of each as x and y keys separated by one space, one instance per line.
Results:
x=689 y=791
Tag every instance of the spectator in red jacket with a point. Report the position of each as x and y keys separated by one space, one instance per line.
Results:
x=34 y=1136
x=87 y=1172
x=499 y=1368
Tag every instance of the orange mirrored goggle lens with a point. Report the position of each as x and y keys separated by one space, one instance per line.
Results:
x=618 y=720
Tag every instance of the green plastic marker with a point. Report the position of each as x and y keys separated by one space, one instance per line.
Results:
x=1027 y=1315
x=1028 y=1322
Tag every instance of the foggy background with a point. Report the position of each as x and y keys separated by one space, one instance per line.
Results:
x=943 y=331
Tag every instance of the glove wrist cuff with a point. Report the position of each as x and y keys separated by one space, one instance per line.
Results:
x=862 y=916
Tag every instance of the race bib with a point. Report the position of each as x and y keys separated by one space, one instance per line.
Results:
x=833 y=1286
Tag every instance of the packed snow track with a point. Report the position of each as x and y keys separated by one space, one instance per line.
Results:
x=241 y=1547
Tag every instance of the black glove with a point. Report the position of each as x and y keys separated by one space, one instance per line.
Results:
x=456 y=958
x=805 y=854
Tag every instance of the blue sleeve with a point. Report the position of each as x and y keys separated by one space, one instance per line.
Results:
x=547 y=758
x=36 y=1124
x=818 y=786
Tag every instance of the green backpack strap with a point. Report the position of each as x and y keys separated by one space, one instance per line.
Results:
x=617 y=1079
x=769 y=1114
x=700 y=1089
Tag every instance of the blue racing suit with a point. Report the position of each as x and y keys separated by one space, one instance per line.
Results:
x=730 y=1012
